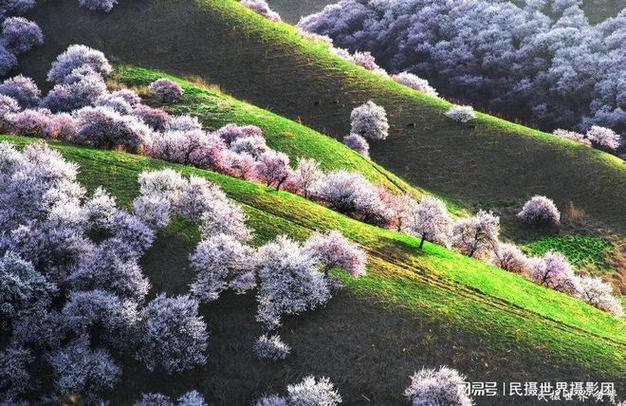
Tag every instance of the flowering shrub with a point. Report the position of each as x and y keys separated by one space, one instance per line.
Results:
x=271 y=348
x=572 y=135
x=351 y=194
x=155 y=118
x=604 y=137
x=438 y=388
x=23 y=90
x=20 y=35
x=306 y=176
x=261 y=7
x=29 y=122
x=79 y=369
x=77 y=56
x=21 y=288
x=193 y=147
x=183 y=123
x=232 y=132
x=14 y=376
x=599 y=294
x=116 y=103
x=173 y=336
x=61 y=126
x=357 y=143
x=105 y=128
x=108 y=268
x=313 y=392
x=8 y=105
x=415 y=82
x=166 y=89
x=83 y=87
x=221 y=261
x=370 y=121
x=129 y=96
x=461 y=114
x=540 y=210
x=254 y=146
x=224 y=217
x=154 y=210
x=290 y=281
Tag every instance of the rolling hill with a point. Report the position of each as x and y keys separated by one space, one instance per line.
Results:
x=414 y=308
x=491 y=163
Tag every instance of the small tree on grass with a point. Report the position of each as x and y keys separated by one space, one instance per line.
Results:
x=312 y=391
x=510 y=258
x=430 y=221
x=540 y=210
x=442 y=387
x=167 y=90
x=306 y=175
x=461 y=114
x=370 y=121
x=272 y=168
x=290 y=281
x=183 y=123
x=476 y=236
x=173 y=337
x=598 y=293
x=335 y=251
x=555 y=272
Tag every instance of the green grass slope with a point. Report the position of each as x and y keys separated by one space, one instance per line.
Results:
x=491 y=163
x=414 y=308
x=215 y=109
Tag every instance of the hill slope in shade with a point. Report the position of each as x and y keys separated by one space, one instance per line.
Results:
x=414 y=308
x=490 y=163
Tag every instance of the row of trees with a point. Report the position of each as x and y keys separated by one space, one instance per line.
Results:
x=553 y=73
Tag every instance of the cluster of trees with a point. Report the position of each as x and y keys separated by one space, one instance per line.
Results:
x=19 y=35
x=554 y=72
x=74 y=295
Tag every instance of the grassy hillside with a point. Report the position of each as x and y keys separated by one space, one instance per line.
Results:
x=215 y=109
x=491 y=163
x=415 y=308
